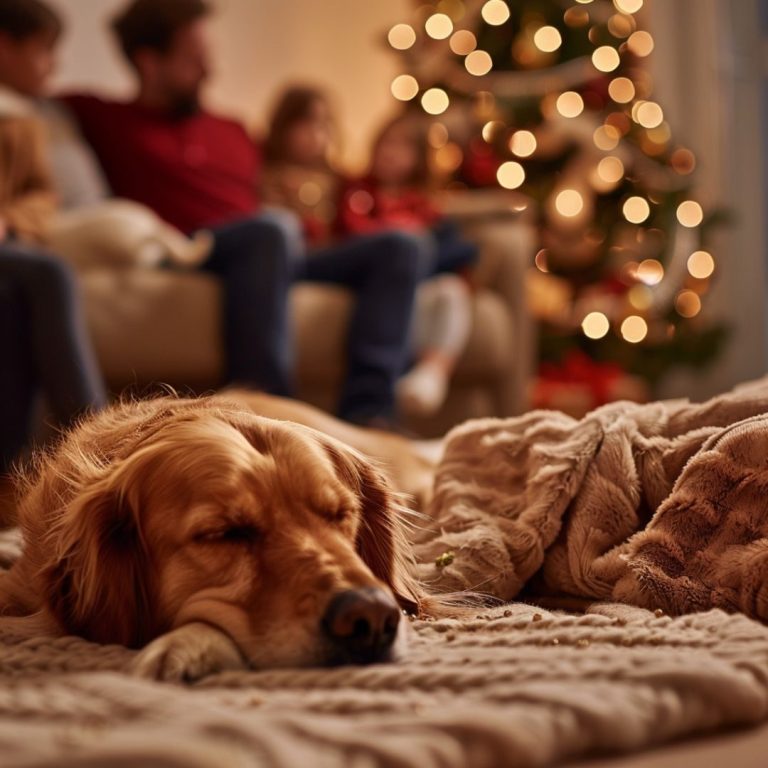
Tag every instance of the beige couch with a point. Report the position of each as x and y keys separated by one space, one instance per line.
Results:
x=153 y=326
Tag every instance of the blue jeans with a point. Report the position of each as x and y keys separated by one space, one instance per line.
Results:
x=257 y=259
x=260 y=257
x=384 y=271
x=43 y=345
x=453 y=252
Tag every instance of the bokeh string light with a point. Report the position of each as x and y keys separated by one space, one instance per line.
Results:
x=402 y=36
x=606 y=127
x=439 y=26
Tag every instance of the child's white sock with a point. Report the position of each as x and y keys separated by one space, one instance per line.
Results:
x=423 y=389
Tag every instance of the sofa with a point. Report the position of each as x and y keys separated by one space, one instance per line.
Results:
x=153 y=326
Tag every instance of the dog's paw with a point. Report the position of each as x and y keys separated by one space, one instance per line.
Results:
x=187 y=654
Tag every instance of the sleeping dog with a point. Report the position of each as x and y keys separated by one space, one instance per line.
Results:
x=211 y=537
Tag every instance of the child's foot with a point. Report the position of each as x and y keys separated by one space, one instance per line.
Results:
x=422 y=391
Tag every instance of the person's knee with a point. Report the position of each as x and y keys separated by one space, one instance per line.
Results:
x=449 y=288
x=285 y=222
x=410 y=256
x=275 y=240
x=50 y=279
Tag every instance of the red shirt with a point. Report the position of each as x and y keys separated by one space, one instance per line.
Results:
x=194 y=172
x=366 y=207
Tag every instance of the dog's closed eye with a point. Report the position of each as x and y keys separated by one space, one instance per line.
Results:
x=230 y=534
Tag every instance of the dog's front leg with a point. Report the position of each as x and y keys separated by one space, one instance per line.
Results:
x=187 y=654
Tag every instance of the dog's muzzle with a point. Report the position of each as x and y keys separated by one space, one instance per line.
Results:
x=361 y=625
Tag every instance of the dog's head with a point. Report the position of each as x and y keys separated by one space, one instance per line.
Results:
x=285 y=540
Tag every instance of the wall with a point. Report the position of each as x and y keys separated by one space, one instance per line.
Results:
x=259 y=45
x=709 y=74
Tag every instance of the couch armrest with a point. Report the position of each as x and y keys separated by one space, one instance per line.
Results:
x=504 y=231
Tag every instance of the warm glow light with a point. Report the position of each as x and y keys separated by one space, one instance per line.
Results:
x=510 y=175
x=401 y=37
x=595 y=325
x=634 y=329
x=361 y=202
x=449 y=157
x=495 y=12
x=435 y=101
x=404 y=87
x=688 y=304
x=650 y=272
x=640 y=297
x=437 y=136
x=490 y=129
x=478 y=63
x=606 y=137
x=683 y=161
x=640 y=43
x=621 y=90
x=606 y=58
x=584 y=2
x=649 y=114
x=522 y=143
x=541 y=260
x=576 y=17
x=621 y=25
x=619 y=121
x=636 y=210
x=689 y=214
x=569 y=203
x=463 y=42
x=547 y=39
x=628 y=6
x=660 y=135
x=310 y=193
x=439 y=26
x=701 y=265
x=610 y=170
x=570 y=104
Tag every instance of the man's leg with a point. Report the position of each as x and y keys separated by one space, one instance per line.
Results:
x=44 y=343
x=384 y=271
x=17 y=376
x=257 y=259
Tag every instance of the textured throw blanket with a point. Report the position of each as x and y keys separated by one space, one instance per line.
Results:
x=516 y=687
x=659 y=506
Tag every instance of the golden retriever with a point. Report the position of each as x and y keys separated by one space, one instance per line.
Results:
x=211 y=538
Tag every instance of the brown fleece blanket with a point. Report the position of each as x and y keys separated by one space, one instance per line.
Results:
x=661 y=506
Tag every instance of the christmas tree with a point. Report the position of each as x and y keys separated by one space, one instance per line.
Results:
x=552 y=98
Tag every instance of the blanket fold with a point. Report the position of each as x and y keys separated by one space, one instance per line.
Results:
x=659 y=506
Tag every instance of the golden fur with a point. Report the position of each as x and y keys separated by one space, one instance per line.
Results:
x=207 y=535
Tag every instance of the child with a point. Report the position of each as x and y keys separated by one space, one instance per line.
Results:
x=383 y=269
x=103 y=231
x=298 y=173
x=394 y=194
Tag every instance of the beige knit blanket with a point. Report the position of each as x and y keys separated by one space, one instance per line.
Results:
x=517 y=687
x=658 y=505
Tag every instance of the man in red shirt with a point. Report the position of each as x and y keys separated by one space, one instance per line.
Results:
x=198 y=170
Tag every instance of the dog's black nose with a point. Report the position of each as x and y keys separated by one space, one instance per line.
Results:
x=361 y=625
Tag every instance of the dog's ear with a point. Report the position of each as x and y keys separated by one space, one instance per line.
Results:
x=381 y=541
x=98 y=581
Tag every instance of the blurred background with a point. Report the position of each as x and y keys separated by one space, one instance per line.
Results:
x=644 y=275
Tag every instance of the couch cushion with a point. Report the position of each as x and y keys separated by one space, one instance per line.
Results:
x=165 y=326
x=155 y=326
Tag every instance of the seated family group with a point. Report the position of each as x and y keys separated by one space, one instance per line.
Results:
x=260 y=213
